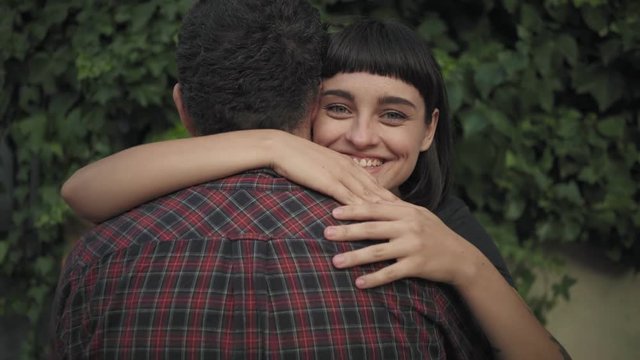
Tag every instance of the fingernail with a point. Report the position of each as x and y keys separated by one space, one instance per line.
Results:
x=329 y=231
x=339 y=260
x=360 y=282
x=337 y=211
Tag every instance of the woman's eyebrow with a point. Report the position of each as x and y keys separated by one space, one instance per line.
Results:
x=340 y=93
x=385 y=100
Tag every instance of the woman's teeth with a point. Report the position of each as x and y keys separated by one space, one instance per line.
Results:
x=367 y=162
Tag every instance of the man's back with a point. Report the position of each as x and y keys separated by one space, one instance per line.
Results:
x=239 y=268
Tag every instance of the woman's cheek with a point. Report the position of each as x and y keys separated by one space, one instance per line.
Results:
x=324 y=131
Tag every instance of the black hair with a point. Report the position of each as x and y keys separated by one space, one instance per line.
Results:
x=392 y=49
x=249 y=64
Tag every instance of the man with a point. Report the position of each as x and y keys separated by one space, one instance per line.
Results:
x=238 y=268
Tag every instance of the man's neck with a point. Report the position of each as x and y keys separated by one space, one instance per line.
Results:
x=303 y=130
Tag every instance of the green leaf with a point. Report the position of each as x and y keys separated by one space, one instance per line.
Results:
x=636 y=221
x=592 y=3
x=178 y=131
x=487 y=76
x=590 y=174
x=606 y=87
x=56 y=13
x=500 y=122
x=473 y=122
x=4 y=248
x=595 y=19
x=510 y=5
x=62 y=102
x=530 y=18
x=612 y=127
x=32 y=130
x=29 y=96
x=456 y=96
x=515 y=208
x=513 y=63
x=567 y=45
x=512 y=161
x=542 y=57
x=569 y=191
x=568 y=127
x=610 y=50
x=44 y=265
x=562 y=288
x=545 y=231
x=432 y=26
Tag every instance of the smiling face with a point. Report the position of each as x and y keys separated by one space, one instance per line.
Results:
x=378 y=121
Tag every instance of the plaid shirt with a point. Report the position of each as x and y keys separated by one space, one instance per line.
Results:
x=239 y=269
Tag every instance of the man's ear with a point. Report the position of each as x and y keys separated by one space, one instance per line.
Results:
x=314 y=107
x=305 y=125
x=431 y=130
x=182 y=110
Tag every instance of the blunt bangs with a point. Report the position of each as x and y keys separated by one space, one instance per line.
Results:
x=385 y=49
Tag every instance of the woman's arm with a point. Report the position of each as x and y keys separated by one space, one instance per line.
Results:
x=444 y=256
x=133 y=176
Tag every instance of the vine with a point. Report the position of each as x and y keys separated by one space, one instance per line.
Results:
x=544 y=94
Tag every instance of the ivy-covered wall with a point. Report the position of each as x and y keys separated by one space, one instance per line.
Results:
x=545 y=96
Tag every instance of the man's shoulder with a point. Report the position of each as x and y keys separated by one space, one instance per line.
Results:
x=259 y=179
x=263 y=203
x=256 y=204
x=451 y=208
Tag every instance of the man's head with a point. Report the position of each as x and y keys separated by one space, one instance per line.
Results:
x=248 y=64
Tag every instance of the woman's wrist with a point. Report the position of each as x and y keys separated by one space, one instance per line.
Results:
x=273 y=147
x=270 y=147
x=472 y=269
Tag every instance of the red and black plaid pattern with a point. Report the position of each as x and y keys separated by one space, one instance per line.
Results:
x=239 y=269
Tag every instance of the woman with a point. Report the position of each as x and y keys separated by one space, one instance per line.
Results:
x=382 y=108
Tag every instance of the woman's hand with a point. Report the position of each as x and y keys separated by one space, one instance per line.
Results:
x=324 y=170
x=426 y=248
x=422 y=245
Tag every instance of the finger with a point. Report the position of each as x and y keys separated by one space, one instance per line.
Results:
x=363 y=185
x=370 y=230
x=368 y=255
x=379 y=211
x=388 y=195
x=384 y=194
x=383 y=276
x=378 y=193
x=362 y=188
x=344 y=195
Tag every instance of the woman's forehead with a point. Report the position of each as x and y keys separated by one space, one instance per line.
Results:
x=362 y=84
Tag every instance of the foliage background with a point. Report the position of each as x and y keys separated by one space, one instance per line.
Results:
x=545 y=95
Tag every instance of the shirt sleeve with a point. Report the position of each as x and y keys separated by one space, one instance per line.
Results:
x=457 y=216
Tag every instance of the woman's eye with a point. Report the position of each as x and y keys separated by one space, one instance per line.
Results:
x=394 y=117
x=337 y=110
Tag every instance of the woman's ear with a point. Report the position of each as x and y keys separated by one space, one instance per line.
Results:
x=182 y=110
x=431 y=130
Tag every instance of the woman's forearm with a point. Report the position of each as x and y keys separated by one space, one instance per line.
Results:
x=512 y=329
x=133 y=176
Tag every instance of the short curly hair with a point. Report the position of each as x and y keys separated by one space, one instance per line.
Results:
x=249 y=64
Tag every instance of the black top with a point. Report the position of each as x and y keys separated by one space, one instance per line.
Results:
x=456 y=215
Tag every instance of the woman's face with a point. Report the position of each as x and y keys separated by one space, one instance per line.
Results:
x=378 y=121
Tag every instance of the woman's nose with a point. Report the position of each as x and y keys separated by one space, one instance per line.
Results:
x=363 y=134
